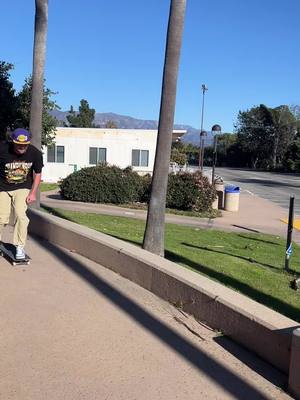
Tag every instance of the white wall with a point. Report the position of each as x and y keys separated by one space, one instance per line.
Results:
x=118 y=142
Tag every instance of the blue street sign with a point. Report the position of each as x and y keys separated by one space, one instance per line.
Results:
x=289 y=250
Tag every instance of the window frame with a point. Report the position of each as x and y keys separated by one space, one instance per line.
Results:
x=55 y=154
x=97 y=155
x=140 y=152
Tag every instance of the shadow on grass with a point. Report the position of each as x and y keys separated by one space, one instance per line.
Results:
x=56 y=213
x=263 y=298
x=249 y=259
x=268 y=300
x=216 y=371
x=259 y=240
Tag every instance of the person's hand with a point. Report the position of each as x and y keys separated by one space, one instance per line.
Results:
x=31 y=198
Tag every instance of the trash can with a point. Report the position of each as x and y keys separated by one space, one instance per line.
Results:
x=232 y=198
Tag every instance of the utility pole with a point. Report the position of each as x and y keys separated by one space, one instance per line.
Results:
x=214 y=160
x=202 y=133
x=216 y=130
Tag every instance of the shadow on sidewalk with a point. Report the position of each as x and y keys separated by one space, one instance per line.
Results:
x=246 y=228
x=255 y=363
x=55 y=196
x=216 y=371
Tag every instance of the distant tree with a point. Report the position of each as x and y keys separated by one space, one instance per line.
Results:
x=110 y=124
x=49 y=123
x=265 y=133
x=254 y=133
x=225 y=141
x=285 y=129
x=84 y=118
x=291 y=159
x=224 y=146
x=155 y=225
x=179 y=157
x=190 y=151
x=295 y=110
x=8 y=100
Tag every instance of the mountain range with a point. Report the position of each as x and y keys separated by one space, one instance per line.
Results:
x=127 y=122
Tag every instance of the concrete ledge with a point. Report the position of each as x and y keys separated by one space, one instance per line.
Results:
x=263 y=331
x=294 y=376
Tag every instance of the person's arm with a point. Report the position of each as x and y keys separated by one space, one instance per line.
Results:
x=32 y=195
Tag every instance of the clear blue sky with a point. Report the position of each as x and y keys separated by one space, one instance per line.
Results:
x=111 y=52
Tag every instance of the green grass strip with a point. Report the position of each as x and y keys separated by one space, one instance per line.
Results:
x=252 y=264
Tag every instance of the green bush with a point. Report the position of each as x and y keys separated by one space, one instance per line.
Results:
x=188 y=191
x=103 y=184
x=146 y=188
x=110 y=184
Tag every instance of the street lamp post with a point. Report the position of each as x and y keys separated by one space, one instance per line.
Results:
x=202 y=132
x=216 y=130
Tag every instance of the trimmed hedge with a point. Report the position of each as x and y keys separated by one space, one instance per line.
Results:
x=103 y=184
x=110 y=184
x=188 y=191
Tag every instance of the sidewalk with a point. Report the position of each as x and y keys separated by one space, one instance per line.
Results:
x=255 y=214
x=73 y=330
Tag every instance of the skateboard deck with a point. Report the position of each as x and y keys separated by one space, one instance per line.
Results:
x=8 y=251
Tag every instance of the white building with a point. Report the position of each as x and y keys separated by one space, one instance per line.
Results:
x=77 y=148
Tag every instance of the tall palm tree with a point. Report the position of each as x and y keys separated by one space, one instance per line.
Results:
x=155 y=226
x=39 y=55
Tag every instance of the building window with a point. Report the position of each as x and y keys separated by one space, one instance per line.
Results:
x=97 y=155
x=56 y=154
x=140 y=158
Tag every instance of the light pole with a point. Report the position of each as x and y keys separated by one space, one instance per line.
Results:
x=216 y=130
x=202 y=132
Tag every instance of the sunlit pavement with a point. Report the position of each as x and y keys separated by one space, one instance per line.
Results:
x=71 y=329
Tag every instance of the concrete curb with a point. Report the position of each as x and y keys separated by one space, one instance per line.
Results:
x=294 y=376
x=260 y=329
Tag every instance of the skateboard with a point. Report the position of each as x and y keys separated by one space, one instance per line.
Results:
x=8 y=251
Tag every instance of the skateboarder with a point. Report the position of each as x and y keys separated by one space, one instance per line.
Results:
x=20 y=175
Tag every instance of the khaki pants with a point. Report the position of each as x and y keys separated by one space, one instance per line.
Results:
x=15 y=200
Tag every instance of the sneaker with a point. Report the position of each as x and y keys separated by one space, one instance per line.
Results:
x=20 y=253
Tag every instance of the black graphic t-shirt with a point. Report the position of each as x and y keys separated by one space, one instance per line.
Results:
x=16 y=171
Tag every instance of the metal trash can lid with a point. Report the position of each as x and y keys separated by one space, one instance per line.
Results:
x=232 y=189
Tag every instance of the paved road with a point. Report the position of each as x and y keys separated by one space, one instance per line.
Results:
x=271 y=186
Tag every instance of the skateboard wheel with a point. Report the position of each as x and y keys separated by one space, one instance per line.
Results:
x=14 y=264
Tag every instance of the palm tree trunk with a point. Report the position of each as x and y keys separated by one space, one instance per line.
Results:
x=155 y=226
x=39 y=55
